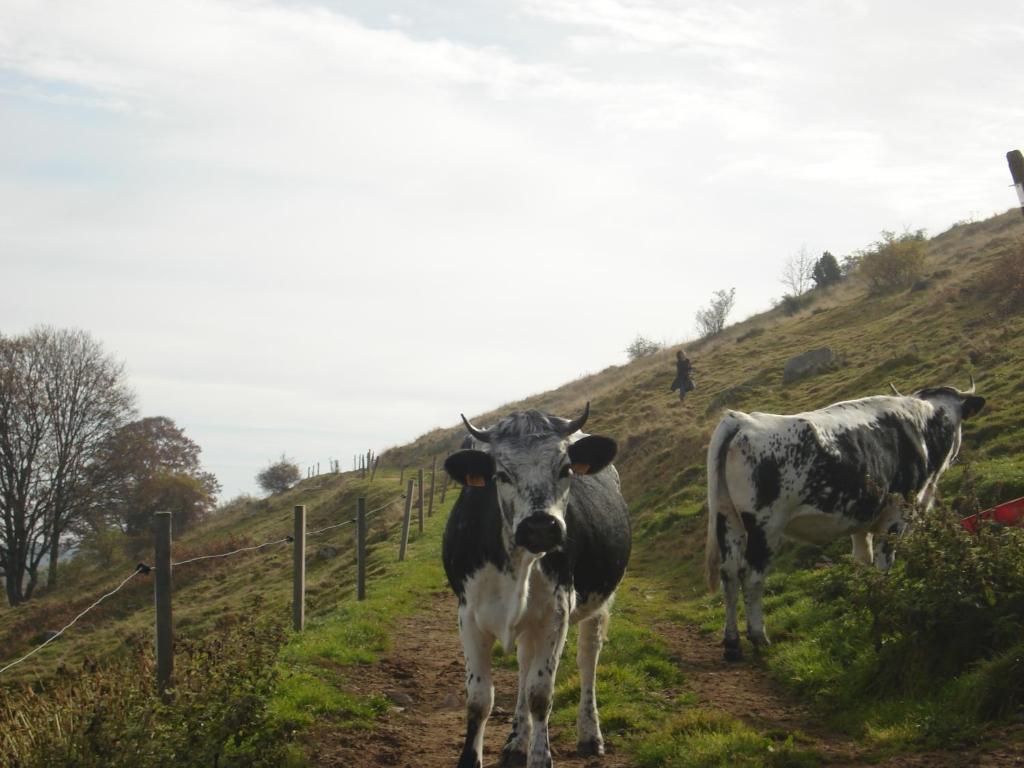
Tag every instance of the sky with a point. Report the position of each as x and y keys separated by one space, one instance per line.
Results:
x=313 y=228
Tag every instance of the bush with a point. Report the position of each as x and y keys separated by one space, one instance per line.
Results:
x=792 y=304
x=641 y=346
x=279 y=477
x=217 y=714
x=941 y=631
x=894 y=262
x=711 y=319
x=826 y=271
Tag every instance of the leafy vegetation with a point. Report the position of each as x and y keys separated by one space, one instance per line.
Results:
x=279 y=476
x=641 y=346
x=711 y=319
x=216 y=714
x=894 y=261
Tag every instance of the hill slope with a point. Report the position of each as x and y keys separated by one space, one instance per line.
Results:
x=956 y=325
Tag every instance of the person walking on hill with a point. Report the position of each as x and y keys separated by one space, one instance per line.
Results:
x=684 y=381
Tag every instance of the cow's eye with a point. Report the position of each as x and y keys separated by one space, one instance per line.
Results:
x=564 y=472
x=502 y=477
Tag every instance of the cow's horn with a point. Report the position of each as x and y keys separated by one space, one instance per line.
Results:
x=576 y=424
x=483 y=435
x=971 y=390
x=894 y=390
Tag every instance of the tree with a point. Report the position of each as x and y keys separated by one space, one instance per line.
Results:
x=826 y=271
x=61 y=395
x=711 y=319
x=641 y=346
x=797 y=273
x=148 y=466
x=279 y=477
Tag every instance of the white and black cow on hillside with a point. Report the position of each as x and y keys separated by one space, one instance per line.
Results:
x=538 y=538
x=842 y=470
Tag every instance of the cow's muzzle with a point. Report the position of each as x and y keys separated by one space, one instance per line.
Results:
x=540 y=533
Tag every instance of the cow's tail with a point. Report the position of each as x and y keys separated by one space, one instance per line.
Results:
x=719 y=501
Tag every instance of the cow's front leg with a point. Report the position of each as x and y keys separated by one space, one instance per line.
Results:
x=518 y=741
x=588 y=726
x=547 y=641
x=476 y=646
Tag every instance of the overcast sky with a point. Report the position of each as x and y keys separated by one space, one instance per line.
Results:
x=313 y=228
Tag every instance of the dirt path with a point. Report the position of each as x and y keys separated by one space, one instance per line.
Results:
x=745 y=691
x=422 y=677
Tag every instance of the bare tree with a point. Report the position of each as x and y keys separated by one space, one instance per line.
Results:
x=62 y=397
x=711 y=319
x=798 y=273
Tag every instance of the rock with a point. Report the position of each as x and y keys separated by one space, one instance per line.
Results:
x=326 y=553
x=400 y=698
x=809 y=363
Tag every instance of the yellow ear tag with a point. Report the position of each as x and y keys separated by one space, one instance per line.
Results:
x=581 y=469
x=477 y=481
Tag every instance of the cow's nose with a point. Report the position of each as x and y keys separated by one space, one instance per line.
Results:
x=539 y=533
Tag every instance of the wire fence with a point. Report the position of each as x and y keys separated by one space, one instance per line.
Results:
x=360 y=521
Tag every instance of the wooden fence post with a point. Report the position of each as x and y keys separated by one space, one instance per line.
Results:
x=419 y=497
x=361 y=548
x=433 y=472
x=162 y=595
x=444 y=485
x=299 y=569
x=401 y=475
x=376 y=463
x=406 y=519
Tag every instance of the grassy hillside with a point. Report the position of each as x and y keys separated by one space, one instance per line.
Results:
x=963 y=320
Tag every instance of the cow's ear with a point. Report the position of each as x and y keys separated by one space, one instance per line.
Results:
x=470 y=467
x=970 y=406
x=591 y=454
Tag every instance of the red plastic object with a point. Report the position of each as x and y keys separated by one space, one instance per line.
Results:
x=1007 y=513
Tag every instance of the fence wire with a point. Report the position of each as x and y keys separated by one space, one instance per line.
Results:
x=140 y=568
x=143 y=568
x=233 y=552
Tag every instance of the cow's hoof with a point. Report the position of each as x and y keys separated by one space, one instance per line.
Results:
x=511 y=758
x=759 y=640
x=733 y=651
x=590 y=748
x=468 y=761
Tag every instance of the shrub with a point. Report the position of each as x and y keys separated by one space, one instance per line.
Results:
x=641 y=346
x=942 y=628
x=894 y=262
x=279 y=477
x=792 y=304
x=110 y=715
x=711 y=319
x=826 y=271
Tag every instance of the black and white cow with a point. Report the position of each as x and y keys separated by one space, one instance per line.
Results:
x=538 y=538
x=847 y=469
